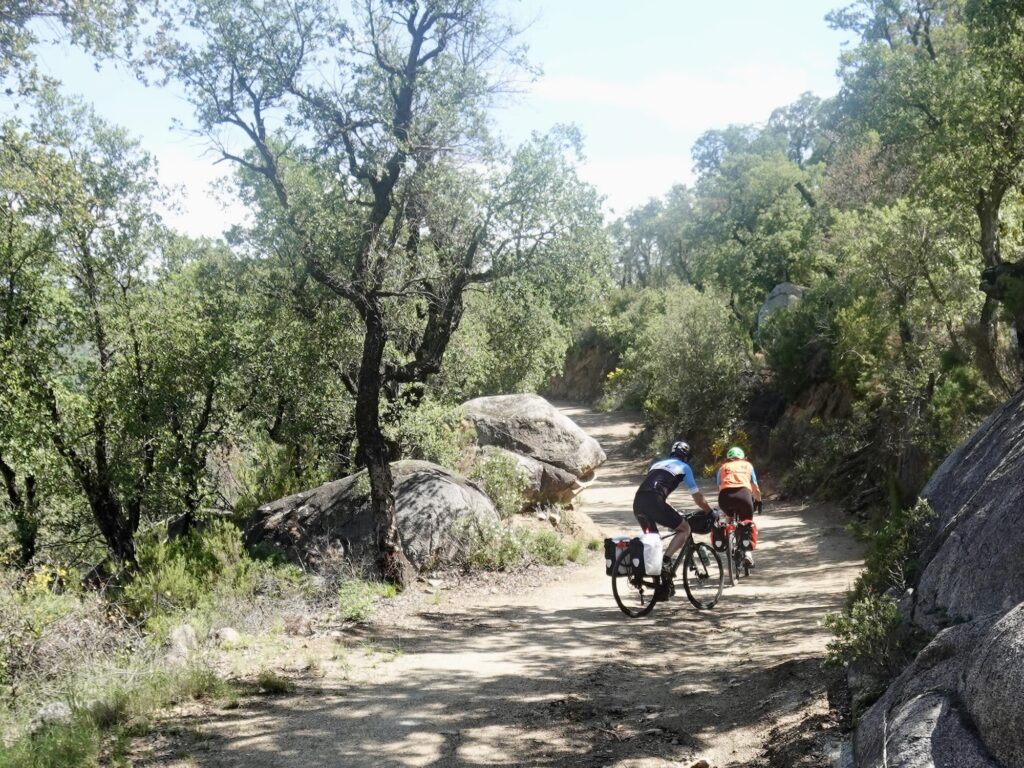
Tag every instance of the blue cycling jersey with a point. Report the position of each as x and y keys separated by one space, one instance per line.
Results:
x=665 y=475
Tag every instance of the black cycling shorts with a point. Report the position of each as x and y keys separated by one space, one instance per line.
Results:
x=737 y=503
x=650 y=508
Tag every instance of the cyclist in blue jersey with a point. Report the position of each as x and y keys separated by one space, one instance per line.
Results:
x=650 y=506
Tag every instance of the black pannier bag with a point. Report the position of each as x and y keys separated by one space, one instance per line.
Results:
x=612 y=548
x=636 y=557
x=700 y=522
x=718 y=538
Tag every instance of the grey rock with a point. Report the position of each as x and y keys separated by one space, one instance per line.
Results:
x=429 y=502
x=917 y=721
x=546 y=483
x=531 y=426
x=226 y=636
x=51 y=713
x=992 y=687
x=972 y=559
x=181 y=644
x=781 y=296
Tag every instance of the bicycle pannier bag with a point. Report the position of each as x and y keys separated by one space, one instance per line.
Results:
x=636 y=555
x=652 y=553
x=746 y=535
x=700 y=522
x=718 y=538
x=612 y=548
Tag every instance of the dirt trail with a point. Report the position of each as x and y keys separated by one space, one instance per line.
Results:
x=557 y=676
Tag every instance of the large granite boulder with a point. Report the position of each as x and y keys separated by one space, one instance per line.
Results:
x=531 y=426
x=781 y=296
x=959 y=702
x=973 y=561
x=429 y=500
x=545 y=483
x=920 y=720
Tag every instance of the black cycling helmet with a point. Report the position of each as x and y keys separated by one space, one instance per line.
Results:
x=681 y=448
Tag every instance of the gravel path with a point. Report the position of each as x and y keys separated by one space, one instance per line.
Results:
x=543 y=670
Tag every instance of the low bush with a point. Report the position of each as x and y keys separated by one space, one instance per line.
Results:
x=503 y=481
x=56 y=746
x=891 y=560
x=548 y=547
x=273 y=683
x=182 y=572
x=501 y=546
x=356 y=598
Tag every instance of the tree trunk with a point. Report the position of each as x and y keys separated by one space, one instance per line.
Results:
x=113 y=524
x=393 y=564
x=987 y=208
x=24 y=511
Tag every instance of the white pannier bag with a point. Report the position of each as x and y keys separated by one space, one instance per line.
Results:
x=652 y=553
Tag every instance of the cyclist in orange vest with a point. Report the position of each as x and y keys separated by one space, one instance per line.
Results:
x=738 y=491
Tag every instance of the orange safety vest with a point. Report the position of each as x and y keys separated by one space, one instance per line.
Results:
x=736 y=474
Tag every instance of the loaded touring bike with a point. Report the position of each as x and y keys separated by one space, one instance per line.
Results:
x=636 y=592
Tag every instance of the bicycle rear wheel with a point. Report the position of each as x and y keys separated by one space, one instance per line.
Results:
x=634 y=593
x=702 y=576
x=732 y=552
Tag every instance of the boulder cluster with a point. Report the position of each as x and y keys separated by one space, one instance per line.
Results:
x=556 y=456
x=961 y=702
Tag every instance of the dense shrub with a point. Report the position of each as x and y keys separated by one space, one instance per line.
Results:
x=501 y=546
x=182 y=572
x=685 y=365
x=891 y=560
x=432 y=431
x=503 y=481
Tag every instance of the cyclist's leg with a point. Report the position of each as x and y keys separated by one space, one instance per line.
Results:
x=739 y=502
x=671 y=518
x=643 y=506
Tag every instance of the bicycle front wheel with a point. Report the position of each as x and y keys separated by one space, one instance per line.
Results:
x=702 y=576
x=634 y=593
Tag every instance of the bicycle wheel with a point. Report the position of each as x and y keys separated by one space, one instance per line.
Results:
x=731 y=550
x=633 y=593
x=702 y=576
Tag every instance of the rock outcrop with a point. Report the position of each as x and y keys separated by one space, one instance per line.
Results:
x=429 y=502
x=974 y=560
x=959 y=702
x=545 y=483
x=781 y=296
x=587 y=365
x=556 y=457
x=531 y=426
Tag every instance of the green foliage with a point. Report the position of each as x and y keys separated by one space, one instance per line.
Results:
x=356 y=598
x=504 y=481
x=891 y=558
x=273 y=683
x=865 y=633
x=432 y=431
x=549 y=548
x=496 y=546
x=685 y=364
x=183 y=572
x=75 y=745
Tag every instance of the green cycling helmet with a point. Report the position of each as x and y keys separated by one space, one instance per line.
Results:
x=735 y=453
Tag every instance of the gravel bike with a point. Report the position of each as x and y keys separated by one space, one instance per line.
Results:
x=636 y=593
x=738 y=541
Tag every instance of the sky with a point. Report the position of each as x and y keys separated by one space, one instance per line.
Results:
x=641 y=79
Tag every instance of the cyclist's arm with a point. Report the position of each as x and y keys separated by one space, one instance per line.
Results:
x=754 y=485
x=692 y=487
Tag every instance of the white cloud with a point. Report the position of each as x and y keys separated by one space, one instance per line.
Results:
x=682 y=101
x=197 y=211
